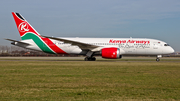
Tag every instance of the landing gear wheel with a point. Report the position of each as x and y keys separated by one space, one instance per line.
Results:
x=93 y=59
x=157 y=59
x=86 y=59
x=89 y=59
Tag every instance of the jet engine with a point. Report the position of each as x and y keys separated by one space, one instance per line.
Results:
x=111 y=53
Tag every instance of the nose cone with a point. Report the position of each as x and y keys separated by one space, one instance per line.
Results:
x=171 y=50
x=168 y=50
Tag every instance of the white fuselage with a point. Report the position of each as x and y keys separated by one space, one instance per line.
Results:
x=110 y=48
x=127 y=46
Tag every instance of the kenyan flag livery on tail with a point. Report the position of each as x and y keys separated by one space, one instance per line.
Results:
x=27 y=32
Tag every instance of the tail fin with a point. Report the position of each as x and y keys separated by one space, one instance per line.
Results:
x=23 y=26
x=26 y=32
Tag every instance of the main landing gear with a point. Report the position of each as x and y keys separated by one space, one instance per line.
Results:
x=89 y=59
x=89 y=56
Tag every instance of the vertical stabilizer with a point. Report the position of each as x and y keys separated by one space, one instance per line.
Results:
x=23 y=26
x=27 y=32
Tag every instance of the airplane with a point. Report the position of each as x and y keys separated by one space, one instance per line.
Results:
x=109 y=48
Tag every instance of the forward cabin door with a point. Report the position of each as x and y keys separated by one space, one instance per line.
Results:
x=155 y=45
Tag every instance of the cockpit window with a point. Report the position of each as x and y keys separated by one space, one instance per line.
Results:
x=166 y=45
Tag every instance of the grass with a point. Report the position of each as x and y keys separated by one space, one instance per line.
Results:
x=80 y=80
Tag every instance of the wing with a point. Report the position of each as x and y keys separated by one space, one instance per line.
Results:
x=17 y=41
x=81 y=45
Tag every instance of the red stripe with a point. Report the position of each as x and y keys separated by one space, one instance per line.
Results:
x=53 y=46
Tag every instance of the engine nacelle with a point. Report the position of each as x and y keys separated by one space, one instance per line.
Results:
x=111 y=53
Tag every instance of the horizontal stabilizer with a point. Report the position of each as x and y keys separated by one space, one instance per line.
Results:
x=17 y=41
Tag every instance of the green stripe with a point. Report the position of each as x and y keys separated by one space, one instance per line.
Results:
x=38 y=42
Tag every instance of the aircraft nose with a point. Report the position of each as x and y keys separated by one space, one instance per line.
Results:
x=169 y=50
x=172 y=50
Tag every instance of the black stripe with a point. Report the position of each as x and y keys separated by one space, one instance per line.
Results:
x=20 y=16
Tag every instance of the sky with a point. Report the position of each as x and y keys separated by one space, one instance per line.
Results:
x=156 y=19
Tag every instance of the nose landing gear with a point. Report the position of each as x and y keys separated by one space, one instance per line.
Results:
x=158 y=56
x=157 y=59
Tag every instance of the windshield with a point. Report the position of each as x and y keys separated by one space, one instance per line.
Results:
x=166 y=45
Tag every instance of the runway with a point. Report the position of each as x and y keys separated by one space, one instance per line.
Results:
x=136 y=59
